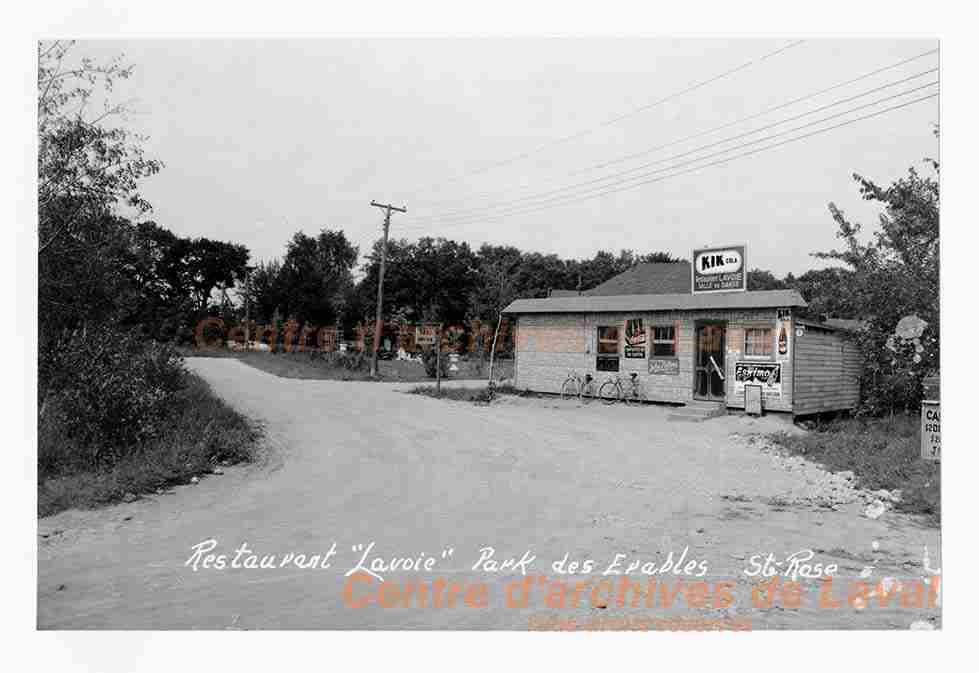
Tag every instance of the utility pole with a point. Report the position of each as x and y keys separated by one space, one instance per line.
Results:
x=438 y=362
x=380 y=280
x=248 y=312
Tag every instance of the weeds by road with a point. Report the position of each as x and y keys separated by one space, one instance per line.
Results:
x=199 y=433
x=882 y=453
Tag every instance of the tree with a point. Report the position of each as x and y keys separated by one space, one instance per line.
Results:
x=83 y=277
x=86 y=170
x=496 y=283
x=764 y=280
x=443 y=274
x=264 y=290
x=316 y=276
x=214 y=264
x=601 y=267
x=538 y=274
x=658 y=258
x=172 y=278
x=429 y=280
x=824 y=291
x=894 y=282
x=161 y=300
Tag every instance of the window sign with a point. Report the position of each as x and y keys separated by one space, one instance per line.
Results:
x=635 y=339
x=607 y=359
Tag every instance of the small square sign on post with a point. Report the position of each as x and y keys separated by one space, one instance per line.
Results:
x=931 y=430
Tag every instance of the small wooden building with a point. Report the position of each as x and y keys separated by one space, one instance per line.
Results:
x=687 y=348
x=827 y=368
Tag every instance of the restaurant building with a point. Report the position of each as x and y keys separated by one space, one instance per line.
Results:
x=691 y=341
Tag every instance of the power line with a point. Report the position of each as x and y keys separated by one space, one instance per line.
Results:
x=761 y=113
x=462 y=213
x=538 y=207
x=512 y=208
x=614 y=120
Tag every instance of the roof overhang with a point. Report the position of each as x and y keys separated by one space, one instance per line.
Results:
x=659 y=302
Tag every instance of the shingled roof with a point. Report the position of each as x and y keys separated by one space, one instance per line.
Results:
x=651 y=278
x=659 y=302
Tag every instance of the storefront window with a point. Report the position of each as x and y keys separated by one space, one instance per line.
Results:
x=607 y=359
x=758 y=342
x=664 y=342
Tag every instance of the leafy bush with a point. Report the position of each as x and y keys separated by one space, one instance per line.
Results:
x=355 y=361
x=430 y=359
x=896 y=361
x=103 y=391
x=893 y=287
x=200 y=431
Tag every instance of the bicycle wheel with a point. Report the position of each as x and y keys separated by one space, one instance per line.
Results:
x=609 y=392
x=636 y=396
x=587 y=392
x=569 y=390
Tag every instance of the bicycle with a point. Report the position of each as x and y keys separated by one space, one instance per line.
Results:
x=613 y=390
x=576 y=386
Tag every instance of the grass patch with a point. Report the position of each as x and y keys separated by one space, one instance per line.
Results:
x=199 y=432
x=303 y=366
x=192 y=352
x=477 y=395
x=881 y=453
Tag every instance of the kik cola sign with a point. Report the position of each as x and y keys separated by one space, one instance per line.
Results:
x=719 y=269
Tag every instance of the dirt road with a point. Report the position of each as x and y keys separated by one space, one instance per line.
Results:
x=354 y=463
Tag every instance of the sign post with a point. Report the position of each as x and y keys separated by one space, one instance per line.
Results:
x=931 y=430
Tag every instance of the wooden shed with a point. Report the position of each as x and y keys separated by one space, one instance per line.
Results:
x=827 y=369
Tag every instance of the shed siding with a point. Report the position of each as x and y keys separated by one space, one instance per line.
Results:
x=827 y=376
x=549 y=346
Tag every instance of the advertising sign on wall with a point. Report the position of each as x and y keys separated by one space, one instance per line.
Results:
x=720 y=269
x=635 y=339
x=783 y=340
x=425 y=334
x=768 y=375
x=664 y=366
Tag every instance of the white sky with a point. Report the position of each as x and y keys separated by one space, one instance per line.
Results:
x=262 y=138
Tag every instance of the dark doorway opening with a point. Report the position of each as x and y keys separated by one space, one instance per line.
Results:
x=709 y=373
